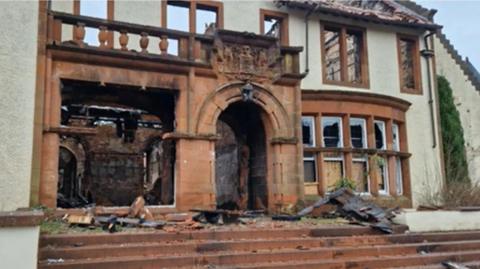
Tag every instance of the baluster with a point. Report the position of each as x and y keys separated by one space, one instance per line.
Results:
x=144 y=42
x=123 y=39
x=102 y=37
x=163 y=45
x=79 y=34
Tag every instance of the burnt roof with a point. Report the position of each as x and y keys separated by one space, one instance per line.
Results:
x=379 y=11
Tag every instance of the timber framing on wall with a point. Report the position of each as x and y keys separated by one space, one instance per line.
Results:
x=283 y=17
x=417 y=73
x=192 y=7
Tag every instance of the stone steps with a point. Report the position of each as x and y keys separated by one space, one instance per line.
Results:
x=274 y=248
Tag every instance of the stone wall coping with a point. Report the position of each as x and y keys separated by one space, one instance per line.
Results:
x=20 y=218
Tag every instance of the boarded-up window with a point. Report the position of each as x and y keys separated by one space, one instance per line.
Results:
x=409 y=64
x=354 y=59
x=308 y=130
x=333 y=166
x=360 y=174
x=309 y=168
x=358 y=133
x=332 y=132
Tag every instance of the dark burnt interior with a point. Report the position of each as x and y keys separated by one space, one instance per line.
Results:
x=240 y=158
x=122 y=155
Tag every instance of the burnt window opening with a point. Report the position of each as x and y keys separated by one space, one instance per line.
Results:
x=121 y=128
x=380 y=141
x=274 y=24
x=358 y=132
x=332 y=132
x=309 y=168
x=409 y=64
x=332 y=54
x=308 y=131
x=354 y=43
x=344 y=55
x=206 y=19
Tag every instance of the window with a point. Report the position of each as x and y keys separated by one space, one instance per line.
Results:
x=309 y=168
x=380 y=142
x=360 y=173
x=308 y=131
x=332 y=132
x=396 y=138
x=399 y=176
x=178 y=15
x=409 y=64
x=382 y=175
x=206 y=18
x=358 y=132
x=334 y=169
x=274 y=24
x=344 y=55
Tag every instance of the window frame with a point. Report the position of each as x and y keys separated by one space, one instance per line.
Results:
x=364 y=159
x=364 y=132
x=417 y=72
x=384 y=134
x=283 y=17
x=340 y=130
x=395 y=137
x=398 y=176
x=313 y=158
x=384 y=171
x=313 y=133
x=343 y=56
x=192 y=7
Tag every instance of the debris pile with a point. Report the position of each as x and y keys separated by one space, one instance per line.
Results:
x=138 y=216
x=351 y=206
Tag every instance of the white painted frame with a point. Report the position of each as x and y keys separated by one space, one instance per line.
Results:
x=313 y=137
x=381 y=125
x=340 y=129
x=363 y=123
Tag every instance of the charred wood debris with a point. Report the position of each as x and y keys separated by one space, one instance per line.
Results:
x=341 y=203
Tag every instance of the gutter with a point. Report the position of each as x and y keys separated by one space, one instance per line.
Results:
x=428 y=53
x=307 y=65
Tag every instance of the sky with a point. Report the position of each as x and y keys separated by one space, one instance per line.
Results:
x=461 y=25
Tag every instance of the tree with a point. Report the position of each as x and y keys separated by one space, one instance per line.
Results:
x=456 y=167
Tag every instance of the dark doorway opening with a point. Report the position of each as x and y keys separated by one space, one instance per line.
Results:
x=240 y=158
x=119 y=129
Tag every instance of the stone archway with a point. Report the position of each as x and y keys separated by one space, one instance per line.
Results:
x=276 y=125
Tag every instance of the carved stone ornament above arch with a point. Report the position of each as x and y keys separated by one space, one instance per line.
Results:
x=246 y=56
x=221 y=98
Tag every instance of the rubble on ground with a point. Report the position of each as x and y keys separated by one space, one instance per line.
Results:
x=351 y=206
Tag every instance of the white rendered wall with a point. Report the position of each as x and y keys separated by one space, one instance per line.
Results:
x=19 y=247
x=18 y=56
x=467 y=101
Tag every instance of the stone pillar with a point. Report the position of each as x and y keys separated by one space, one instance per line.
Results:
x=195 y=178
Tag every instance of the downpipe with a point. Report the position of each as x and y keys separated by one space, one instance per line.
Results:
x=428 y=53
